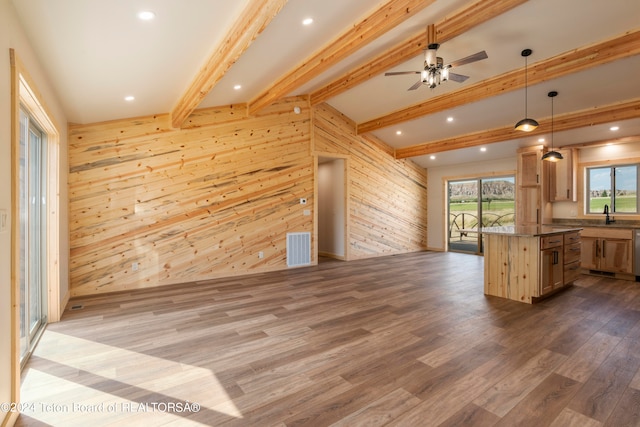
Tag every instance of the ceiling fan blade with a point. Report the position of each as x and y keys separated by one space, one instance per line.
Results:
x=457 y=77
x=399 y=73
x=416 y=85
x=469 y=59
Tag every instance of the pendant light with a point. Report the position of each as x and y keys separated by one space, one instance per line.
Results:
x=526 y=124
x=552 y=156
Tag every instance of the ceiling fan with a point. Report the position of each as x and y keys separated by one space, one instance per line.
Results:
x=435 y=71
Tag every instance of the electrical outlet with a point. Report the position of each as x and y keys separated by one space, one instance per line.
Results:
x=3 y=220
x=260 y=254
x=306 y=212
x=134 y=266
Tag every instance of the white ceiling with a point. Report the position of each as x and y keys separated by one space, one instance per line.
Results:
x=96 y=52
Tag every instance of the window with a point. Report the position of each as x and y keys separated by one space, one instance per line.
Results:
x=615 y=186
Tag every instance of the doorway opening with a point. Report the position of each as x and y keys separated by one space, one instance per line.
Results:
x=332 y=207
x=475 y=203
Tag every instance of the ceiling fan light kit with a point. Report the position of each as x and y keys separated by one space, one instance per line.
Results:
x=527 y=124
x=435 y=71
x=552 y=156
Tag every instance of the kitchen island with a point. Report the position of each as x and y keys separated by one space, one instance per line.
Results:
x=527 y=263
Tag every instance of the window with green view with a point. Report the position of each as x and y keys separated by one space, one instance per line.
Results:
x=615 y=186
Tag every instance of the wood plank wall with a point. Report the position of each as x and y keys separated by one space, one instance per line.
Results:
x=387 y=197
x=201 y=202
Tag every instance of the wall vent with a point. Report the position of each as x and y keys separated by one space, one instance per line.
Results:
x=298 y=249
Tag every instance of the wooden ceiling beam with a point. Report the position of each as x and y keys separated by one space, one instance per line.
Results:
x=566 y=63
x=590 y=117
x=449 y=27
x=385 y=18
x=251 y=22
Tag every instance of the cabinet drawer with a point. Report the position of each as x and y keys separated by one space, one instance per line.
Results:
x=551 y=241
x=571 y=238
x=572 y=253
x=571 y=271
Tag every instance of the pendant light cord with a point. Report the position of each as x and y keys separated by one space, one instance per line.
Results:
x=525 y=88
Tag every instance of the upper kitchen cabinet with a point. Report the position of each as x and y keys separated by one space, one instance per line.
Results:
x=562 y=177
x=532 y=192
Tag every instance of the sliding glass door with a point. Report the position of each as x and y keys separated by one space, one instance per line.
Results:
x=476 y=203
x=33 y=227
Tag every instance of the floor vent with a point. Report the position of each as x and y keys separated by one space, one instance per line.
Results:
x=77 y=307
x=298 y=249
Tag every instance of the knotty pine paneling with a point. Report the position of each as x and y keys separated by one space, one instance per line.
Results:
x=387 y=197
x=201 y=202
x=189 y=204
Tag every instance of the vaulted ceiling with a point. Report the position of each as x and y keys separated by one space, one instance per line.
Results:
x=193 y=54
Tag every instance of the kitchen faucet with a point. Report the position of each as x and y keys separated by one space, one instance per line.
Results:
x=606 y=212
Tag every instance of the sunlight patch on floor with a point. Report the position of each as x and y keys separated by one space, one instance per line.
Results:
x=102 y=368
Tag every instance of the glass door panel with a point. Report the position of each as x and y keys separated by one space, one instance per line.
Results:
x=498 y=201
x=467 y=215
x=32 y=205
x=463 y=215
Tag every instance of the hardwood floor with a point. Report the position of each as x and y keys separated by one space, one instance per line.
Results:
x=406 y=340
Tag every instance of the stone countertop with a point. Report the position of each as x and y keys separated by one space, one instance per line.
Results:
x=578 y=222
x=528 y=230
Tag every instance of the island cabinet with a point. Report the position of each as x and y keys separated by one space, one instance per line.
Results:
x=608 y=250
x=528 y=263
x=551 y=263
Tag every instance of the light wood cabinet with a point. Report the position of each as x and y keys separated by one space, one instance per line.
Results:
x=572 y=255
x=526 y=267
x=551 y=264
x=531 y=187
x=562 y=176
x=607 y=250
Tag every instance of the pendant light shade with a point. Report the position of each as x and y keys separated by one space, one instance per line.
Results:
x=552 y=156
x=527 y=124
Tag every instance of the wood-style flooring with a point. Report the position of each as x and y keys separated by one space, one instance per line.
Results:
x=407 y=340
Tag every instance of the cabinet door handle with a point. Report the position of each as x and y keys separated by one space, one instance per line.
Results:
x=597 y=242
x=555 y=257
x=568 y=195
x=603 y=246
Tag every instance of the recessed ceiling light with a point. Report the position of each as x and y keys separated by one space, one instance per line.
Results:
x=398 y=132
x=129 y=98
x=307 y=21
x=237 y=87
x=483 y=149
x=432 y=157
x=614 y=128
x=146 y=15
x=449 y=119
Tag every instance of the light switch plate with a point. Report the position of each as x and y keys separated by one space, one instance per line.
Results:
x=4 y=219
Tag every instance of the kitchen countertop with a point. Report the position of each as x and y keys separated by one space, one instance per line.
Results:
x=528 y=230
x=575 y=222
